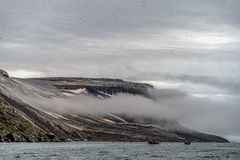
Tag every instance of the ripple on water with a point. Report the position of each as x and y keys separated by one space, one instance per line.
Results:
x=118 y=151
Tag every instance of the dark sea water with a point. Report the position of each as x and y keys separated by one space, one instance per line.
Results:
x=118 y=151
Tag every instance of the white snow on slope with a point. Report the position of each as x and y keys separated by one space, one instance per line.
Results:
x=108 y=120
x=79 y=91
x=74 y=126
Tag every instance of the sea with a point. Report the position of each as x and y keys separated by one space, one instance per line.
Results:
x=118 y=151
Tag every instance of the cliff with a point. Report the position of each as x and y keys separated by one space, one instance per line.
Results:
x=24 y=118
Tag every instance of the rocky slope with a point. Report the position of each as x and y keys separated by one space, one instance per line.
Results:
x=24 y=118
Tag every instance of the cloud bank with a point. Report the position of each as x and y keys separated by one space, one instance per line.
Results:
x=189 y=46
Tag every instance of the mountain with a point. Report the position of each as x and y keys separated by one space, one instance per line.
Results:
x=40 y=109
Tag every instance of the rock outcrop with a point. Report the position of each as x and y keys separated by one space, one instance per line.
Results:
x=4 y=73
x=99 y=86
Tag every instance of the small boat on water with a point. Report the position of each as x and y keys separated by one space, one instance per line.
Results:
x=187 y=142
x=153 y=142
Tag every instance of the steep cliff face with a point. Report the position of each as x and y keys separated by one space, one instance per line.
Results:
x=4 y=73
x=21 y=119
x=98 y=87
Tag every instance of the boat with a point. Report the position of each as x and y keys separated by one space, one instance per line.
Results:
x=187 y=142
x=153 y=142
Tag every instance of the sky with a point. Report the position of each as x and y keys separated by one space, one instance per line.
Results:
x=188 y=46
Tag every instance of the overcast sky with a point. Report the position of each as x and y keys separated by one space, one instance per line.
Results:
x=191 y=45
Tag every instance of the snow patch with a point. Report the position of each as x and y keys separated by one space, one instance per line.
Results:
x=109 y=95
x=68 y=94
x=79 y=91
x=108 y=120
x=57 y=116
x=75 y=127
x=118 y=118
x=99 y=96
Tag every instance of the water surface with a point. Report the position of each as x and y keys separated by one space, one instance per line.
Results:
x=118 y=151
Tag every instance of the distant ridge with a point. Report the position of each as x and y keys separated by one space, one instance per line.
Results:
x=22 y=120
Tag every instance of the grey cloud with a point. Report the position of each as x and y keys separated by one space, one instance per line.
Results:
x=193 y=42
x=172 y=94
x=230 y=84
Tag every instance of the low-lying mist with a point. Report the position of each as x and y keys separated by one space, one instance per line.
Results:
x=216 y=116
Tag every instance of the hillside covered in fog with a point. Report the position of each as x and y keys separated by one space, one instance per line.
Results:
x=66 y=109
